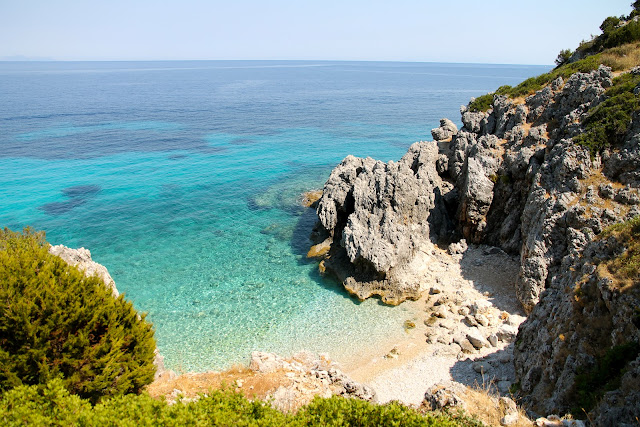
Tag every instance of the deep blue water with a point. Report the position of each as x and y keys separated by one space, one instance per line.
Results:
x=184 y=180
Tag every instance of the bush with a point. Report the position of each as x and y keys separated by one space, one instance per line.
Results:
x=563 y=56
x=337 y=411
x=605 y=375
x=51 y=404
x=607 y=124
x=55 y=322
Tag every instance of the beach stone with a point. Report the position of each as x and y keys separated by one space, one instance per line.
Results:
x=464 y=344
x=463 y=311
x=477 y=340
x=507 y=333
x=439 y=396
x=470 y=320
x=482 y=319
x=480 y=306
x=493 y=340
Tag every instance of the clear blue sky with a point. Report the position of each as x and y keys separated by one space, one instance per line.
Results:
x=491 y=31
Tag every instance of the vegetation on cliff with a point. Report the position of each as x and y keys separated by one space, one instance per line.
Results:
x=57 y=323
x=617 y=47
x=624 y=269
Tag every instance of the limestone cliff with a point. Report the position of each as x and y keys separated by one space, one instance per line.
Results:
x=525 y=175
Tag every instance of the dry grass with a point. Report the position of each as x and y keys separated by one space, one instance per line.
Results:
x=485 y=406
x=622 y=58
x=250 y=383
x=596 y=179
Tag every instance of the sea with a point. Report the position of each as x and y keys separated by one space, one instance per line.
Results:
x=184 y=178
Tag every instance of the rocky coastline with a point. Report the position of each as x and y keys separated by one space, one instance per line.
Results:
x=513 y=178
x=501 y=230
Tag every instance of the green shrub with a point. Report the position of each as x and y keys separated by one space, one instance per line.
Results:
x=607 y=124
x=563 y=56
x=52 y=405
x=481 y=103
x=337 y=411
x=624 y=269
x=55 y=322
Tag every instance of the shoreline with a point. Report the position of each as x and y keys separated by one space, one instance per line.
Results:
x=404 y=368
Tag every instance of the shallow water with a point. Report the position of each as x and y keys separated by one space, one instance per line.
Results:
x=184 y=180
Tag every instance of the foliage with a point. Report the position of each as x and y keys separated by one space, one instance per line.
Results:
x=616 y=47
x=55 y=322
x=591 y=384
x=563 y=56
x=484 y=102
x=51 y=404
x=625 y=268
x=337 y=411
x=609 y=24
x=607 y=124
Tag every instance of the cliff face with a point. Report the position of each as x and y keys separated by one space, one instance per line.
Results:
x=516 y=177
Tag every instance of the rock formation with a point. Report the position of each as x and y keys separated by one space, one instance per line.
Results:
x=379 y=216
x=81 y=258
x=513 y=177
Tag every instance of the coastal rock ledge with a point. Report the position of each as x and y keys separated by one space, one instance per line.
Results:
x=378 y=217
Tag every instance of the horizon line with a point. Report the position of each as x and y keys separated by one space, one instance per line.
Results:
x=269 y=60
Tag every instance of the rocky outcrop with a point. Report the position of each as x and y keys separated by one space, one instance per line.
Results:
x=582 y=320
x=308 y=377
x=445 y=131
x=379 y=215
x=512 y=177
x=81 y=258
x=505 y=179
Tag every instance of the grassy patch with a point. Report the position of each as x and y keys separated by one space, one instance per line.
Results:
x=625 y=268
x=618 y=58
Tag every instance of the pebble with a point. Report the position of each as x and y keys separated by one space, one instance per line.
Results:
x=493 y=340
x=482 y=319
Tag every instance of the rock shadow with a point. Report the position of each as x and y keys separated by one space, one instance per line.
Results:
x=493 y=273
x=494 y=372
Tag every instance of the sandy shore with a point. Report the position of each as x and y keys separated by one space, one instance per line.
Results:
x=479 y=282
x=415 y=364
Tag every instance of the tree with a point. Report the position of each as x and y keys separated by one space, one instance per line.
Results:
x=55 y=322
x=609 y=24
x=563 y=56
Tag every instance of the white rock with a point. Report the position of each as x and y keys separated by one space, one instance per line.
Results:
x=507 y=333
x=482 y=319
x=493 y=340
x=509 y=420
x=477 y=340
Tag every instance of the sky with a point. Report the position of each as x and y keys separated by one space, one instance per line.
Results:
x=476 y=31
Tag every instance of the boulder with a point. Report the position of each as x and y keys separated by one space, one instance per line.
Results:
x=445 y=131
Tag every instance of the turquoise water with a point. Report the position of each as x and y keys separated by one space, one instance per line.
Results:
x=184 y=180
